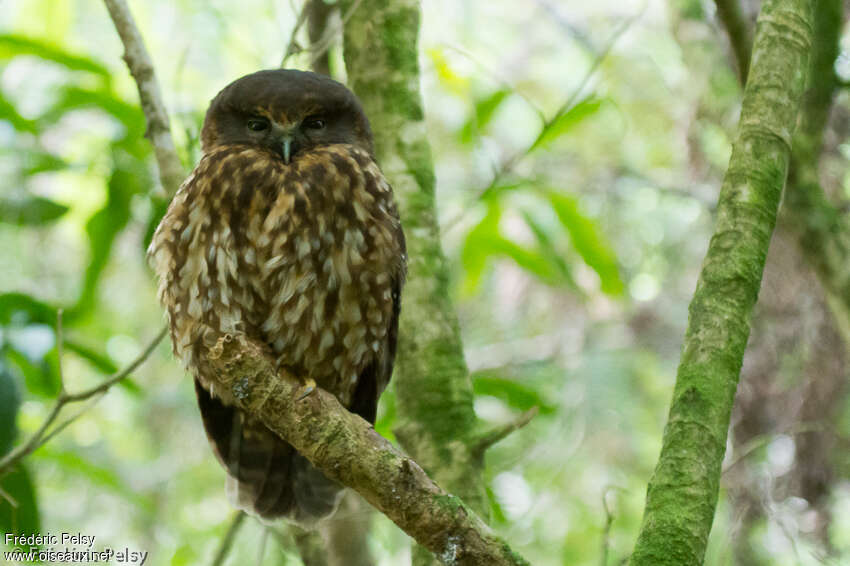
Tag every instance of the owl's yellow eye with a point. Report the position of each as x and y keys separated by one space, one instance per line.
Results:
x=258 y=124
x=314 y=123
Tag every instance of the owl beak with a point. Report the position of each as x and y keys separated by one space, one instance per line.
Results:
x=286 y=144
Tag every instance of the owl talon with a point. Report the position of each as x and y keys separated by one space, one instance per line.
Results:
x=305 y=390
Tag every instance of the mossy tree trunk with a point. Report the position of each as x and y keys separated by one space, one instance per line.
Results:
x=682 y=494
x=437 y=423
x=823 y=230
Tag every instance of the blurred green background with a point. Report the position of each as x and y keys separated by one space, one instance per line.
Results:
x=575 y=249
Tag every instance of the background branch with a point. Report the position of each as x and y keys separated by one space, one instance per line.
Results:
x=42 y=435
x=738 y=30
x=229 y=537
x=682 y=494
x=171 y=172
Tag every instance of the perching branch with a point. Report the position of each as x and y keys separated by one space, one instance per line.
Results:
x=348 y=450
x=682 y=494
x=138 y=60
x=41 y=436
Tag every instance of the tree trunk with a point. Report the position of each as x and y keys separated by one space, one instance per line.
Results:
x=682 y=494
x=437 y=423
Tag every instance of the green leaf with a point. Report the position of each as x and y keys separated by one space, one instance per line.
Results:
x=76 y=98
x=547 y=248
x=102 y=229
x=35 y=162
x=185 y=555
x=485 y=109
x=41 y=376
x=21 y=517
x=14 y=45
x=102 y=477
x=30 y=211
x=514 y=393
x=9 y=113
x=485 y=241
x=527 y=259
x=102 y=363
x=588 y=241
x=565 y=121
x=10 y=401
x=20 y=308
x=496 y=511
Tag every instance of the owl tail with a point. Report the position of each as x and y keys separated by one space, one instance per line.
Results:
x=265 y=475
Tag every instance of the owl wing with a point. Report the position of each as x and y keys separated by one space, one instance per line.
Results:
x=376 y=376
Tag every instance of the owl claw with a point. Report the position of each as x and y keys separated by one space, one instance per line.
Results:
x=305 y=390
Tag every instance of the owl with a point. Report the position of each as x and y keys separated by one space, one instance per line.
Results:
x=285 y=233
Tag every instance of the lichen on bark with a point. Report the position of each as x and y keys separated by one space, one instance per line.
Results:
x=437 y=423
x=682 y=495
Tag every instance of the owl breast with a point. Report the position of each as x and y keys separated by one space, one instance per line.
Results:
x=302 y=257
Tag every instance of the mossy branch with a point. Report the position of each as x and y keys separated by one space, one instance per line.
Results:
x=348 y=450
x=682 y=495
x=822 y=227
x=437 y=424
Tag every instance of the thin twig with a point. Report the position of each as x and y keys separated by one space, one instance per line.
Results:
x=138 y=60
x=41 y=435
x=292 y=46
x=60 y=347
x=321 y=46
x=8 y=497
x=229 y=537
x=763 y=440
x=496 y=76
x=511 y=162
x=606 y=530
x=491 y=437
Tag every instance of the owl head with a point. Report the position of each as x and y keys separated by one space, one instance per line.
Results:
x=287 y=112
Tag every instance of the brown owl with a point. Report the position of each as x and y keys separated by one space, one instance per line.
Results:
x=286 y=232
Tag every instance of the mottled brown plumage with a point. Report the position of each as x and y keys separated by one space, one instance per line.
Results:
x=286 y=232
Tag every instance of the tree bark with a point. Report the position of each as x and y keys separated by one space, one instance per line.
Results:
x=349 y=451
x=437 y=424
x=738 y=29
x=318 y=14
x=171 y=172
x=823 y=230
x=682 y=494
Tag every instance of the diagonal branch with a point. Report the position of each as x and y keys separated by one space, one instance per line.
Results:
x=138 y=60
x=41 y=436
x=682 y=494
x=348 y=450
x=737 y=28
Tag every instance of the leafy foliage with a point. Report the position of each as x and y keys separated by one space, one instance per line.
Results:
x=32 y=211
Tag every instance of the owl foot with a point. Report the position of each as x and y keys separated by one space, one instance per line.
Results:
x=304 y=391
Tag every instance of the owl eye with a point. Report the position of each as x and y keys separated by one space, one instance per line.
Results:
x=258 y=124
x=314 y=123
